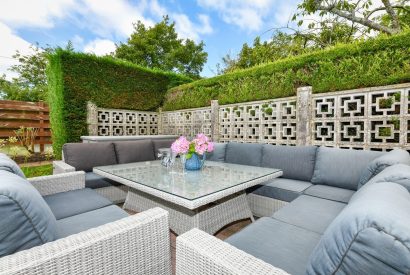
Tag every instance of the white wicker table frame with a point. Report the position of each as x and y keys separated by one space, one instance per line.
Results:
x=208 y=213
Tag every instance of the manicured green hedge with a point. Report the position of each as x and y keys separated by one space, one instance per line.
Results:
x=380 y=61
x=75 y=78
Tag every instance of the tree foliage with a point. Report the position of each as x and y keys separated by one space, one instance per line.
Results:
x=338 y=21
x=159 y=47
x=390 y=17
x=31 y=81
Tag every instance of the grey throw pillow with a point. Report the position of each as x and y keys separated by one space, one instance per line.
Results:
x=25 y=218
x=7 y=164
x=379 y=164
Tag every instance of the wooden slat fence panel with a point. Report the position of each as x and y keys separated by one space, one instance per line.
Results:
x=14 y=114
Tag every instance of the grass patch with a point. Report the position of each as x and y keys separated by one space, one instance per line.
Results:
x=37 y=171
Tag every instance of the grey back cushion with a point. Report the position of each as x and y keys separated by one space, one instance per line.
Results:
x=244 y=153
x=296 y=162
x=341 y=167
x=377 y=165
x=134 y=151
x=398 y=173
x=85 y=156
x=9 y=165
x=162 y=143
x=370 y=236
x=25 y=218
x=218 y=154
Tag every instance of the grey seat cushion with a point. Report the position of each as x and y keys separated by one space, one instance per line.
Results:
x=395 y=156
x=81 y=222
x=85 y=156
x=311 y=213
x=244 y=153
x=296 y=162
x=398 y=173
x=370 y=236
x=95 y=181
x=25 y=218
x=9 y=165
x=162 y=143
x=341 y=167
x=134 y=151
x=280 y=244
x=330 y=193
x=280 y=189
x=75 y=202
x=218 y=154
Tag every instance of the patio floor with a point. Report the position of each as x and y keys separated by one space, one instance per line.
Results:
x=222 y=234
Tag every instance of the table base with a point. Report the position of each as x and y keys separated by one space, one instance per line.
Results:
x=209 y=218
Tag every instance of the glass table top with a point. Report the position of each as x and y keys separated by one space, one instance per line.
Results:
x=214 y=176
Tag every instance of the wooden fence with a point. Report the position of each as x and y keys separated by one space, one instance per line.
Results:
x=14 y=114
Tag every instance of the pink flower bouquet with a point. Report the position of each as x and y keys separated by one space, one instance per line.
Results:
x=199 y=145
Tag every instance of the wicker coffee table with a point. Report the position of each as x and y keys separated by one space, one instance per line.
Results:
x=207 y=199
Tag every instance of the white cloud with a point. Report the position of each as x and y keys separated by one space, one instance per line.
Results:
x=100 y=47
x=39 y=13
x=187 y=29
x=109 y=18
x=248 y=15
x=156 y=9
x=7 y=50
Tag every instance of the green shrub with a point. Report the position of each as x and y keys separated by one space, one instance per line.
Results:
x=75 y=78
x=380 y=61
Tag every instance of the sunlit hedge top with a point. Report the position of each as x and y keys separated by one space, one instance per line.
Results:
x=75 y=78
x=380 y=61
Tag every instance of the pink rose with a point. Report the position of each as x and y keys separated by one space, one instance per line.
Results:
x=180 y=146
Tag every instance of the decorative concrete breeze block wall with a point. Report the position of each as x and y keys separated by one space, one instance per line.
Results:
x=376 y=118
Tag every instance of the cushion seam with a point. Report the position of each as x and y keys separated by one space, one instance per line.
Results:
x=320 y=234
x=315 y=196
x=28 y=218
x=355 y=237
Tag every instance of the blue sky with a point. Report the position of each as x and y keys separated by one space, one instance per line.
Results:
x=97 y=25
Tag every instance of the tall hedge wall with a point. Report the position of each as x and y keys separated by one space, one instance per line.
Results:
x=381 y=61
x=75 y=78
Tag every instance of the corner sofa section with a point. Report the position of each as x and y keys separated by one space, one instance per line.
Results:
x=328 y=173
x=86 y=156
x=53 y=224
x=333 y=212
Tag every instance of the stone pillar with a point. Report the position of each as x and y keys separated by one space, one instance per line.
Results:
x=304 y=127
x=92 y=119
x=215 y=120
x=160 y=129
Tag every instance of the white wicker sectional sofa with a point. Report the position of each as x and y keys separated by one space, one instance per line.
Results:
x=334 y=211
x=85 y=156
x=54 y=225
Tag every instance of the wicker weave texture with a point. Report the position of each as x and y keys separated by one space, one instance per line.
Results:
x=262 y=206
x=201 y=253
x=61 y=167
x=137 y=244
x=116 y=194
x=209 y=218
x=48 y=185
x=190 y=204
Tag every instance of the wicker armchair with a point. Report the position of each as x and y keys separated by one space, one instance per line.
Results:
x=138 y=244
x=200 y=253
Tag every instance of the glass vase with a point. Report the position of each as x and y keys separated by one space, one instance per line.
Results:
x=195 y=162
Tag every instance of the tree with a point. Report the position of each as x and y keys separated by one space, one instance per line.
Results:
x=31 y=82
x=159 y=47
x=280 y=45
x=361 y=12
